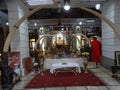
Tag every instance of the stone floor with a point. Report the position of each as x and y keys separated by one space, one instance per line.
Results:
x=102 y=73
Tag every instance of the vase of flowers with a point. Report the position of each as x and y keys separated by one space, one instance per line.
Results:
x=85 y=56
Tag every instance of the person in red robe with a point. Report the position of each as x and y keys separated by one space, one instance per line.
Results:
x=95 y=51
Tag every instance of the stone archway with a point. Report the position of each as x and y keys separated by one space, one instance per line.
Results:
x=18 y=23
x=6 y=83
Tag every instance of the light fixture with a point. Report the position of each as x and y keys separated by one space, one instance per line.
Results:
x=7 y=23
x=39 y=2
x=62 y=28
x=97 y=6
x=66 y=5
x=35 y=24
x=90 y=21
x=80 y=23
x=59 y=7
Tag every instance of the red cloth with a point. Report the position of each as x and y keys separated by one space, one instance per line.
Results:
x=12 y=65
x=95 y=51
x=64 y=79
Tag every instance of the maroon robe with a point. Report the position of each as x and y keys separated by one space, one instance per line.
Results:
x=95 y=51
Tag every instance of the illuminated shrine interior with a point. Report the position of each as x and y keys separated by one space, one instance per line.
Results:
x=52 y=35
x=61 y=33
x=58 y=41
x=60 y=29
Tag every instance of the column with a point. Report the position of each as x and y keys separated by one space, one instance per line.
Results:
x=20 y=41
x=110 y=41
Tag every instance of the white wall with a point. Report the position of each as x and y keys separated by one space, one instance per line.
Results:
x=20 y=41
x=110 y=40
x=117 y=23
x=107 y=32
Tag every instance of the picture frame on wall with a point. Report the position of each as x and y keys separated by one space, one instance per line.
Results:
x=117 y=58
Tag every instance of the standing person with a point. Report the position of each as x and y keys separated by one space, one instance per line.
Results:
x=95 y=51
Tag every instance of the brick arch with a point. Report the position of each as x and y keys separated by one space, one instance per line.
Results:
x=18 y=23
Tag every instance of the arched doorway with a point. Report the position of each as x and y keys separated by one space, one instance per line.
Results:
x=6 y=82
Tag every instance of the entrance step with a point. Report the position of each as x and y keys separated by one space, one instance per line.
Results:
x=91 y=65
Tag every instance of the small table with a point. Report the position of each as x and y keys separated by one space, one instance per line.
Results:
x=65 y=67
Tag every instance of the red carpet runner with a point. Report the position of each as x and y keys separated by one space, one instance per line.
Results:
x=64 y=79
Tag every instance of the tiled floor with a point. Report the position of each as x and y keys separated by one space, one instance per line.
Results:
x=102 y=73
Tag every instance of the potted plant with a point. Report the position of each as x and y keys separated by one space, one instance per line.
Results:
x=85 y=56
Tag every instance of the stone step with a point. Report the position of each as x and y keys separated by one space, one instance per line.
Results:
x=91 y=65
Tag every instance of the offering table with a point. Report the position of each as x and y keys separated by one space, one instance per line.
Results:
x=48 y=62
x=65 y=67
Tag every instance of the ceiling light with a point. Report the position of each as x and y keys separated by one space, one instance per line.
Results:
x=67 y=5
x=62 y=29
x=90 y=21
x=7 y=23
x=80 y=23
x=35 y=24
x=39 y=2
x=97 y=6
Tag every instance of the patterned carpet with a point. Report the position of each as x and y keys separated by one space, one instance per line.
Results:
x=65 y=79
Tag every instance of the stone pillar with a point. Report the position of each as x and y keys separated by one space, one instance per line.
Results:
x=20 y=41
x=117 y=23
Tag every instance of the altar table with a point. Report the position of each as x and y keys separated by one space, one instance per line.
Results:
x=57 y=67
x=49 y=62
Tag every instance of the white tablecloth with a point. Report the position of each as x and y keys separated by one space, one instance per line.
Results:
x=61 y=65
x=48 y=62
